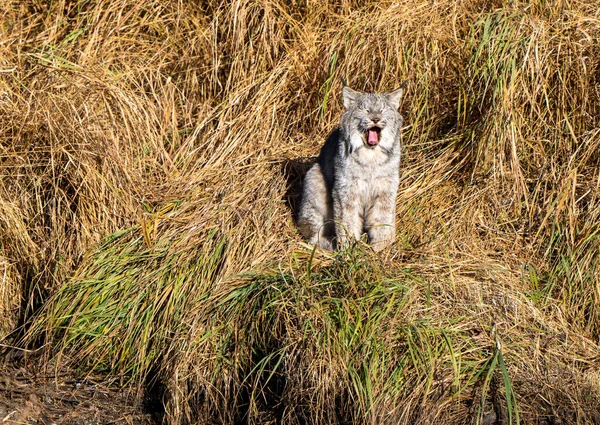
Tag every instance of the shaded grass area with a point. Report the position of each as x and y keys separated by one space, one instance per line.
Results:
x=151 y=156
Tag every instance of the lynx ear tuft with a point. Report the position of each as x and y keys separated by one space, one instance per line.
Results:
x=349 y=96
x=396 y=96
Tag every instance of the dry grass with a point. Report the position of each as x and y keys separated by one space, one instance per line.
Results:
x=151 y=155
x=10 y=297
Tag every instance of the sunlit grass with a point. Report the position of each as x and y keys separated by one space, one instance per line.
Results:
x=151 y=155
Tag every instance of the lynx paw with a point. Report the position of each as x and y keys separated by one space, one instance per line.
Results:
x=381 y=236
x=322 y=242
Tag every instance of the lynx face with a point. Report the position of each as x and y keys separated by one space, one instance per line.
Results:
x=371 y=120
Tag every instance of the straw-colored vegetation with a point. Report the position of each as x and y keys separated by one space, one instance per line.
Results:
x=151 y=156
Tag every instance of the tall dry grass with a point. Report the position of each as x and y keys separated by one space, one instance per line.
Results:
x=151 y=157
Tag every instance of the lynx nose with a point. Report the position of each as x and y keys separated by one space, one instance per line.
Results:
x=376 y=119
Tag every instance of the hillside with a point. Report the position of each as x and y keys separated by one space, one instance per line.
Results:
x=151 y=159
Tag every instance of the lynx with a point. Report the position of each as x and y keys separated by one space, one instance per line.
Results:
x=352 y=187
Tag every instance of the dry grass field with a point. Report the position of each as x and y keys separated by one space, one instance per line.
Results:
x=151 y=159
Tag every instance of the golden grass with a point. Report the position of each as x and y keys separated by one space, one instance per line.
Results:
x=151 y=155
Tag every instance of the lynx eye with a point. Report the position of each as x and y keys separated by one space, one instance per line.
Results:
x=368 y=110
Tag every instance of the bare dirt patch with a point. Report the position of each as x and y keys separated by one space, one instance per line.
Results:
x=62 y=398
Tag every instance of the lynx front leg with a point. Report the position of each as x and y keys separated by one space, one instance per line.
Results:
x=380 y=221
x=348 y=220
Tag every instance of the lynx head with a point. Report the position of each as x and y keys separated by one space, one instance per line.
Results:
x=371 y=120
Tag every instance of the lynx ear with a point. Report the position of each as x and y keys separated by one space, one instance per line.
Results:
x=396 y=96
x=349 y=96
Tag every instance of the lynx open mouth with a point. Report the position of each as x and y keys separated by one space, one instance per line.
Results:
x=372 y=136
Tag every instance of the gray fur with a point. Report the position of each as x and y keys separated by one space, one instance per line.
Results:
x=352 y=187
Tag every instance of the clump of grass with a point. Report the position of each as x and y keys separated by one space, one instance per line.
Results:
x=325 y=340
x=119 y=314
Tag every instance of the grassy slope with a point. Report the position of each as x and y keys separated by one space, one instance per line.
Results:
x=151 y=156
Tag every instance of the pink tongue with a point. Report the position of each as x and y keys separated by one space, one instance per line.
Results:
x=372 y=138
